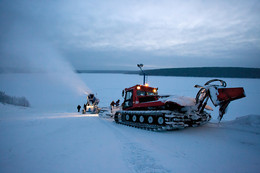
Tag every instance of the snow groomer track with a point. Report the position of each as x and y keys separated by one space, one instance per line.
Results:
x=160 y=120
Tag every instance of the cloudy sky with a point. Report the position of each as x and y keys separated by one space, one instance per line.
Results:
x=118 y=34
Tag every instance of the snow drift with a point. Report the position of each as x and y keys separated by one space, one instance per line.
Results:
x=248 y=120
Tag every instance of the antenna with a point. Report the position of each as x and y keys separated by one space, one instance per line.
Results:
x=140 y=66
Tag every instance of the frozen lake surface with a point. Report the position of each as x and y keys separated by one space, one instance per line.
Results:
x=51 y=136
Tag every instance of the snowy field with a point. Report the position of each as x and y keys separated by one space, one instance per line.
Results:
x=51 y=136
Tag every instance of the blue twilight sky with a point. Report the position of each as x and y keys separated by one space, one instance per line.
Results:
x=118 y=34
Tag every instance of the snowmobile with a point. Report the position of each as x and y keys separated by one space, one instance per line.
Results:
x=144 y=108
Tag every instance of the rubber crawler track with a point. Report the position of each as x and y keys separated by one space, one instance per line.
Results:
x=172 y=120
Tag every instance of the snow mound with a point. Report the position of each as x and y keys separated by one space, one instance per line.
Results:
x=248 y=120
x=181 y=100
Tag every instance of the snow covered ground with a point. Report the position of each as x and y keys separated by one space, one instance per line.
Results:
x=51 y=136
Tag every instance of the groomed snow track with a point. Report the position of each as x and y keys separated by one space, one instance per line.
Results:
x=161 y=120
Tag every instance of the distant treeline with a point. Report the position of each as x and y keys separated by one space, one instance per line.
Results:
x=227 y=72
x=18 y=101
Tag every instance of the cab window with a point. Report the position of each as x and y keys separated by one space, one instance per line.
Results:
x=128 y=99
x=129 y=95
x=144 y=93
x=151 y=93
x=140 y=93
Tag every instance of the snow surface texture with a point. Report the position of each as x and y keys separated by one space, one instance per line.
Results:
x=51 y=136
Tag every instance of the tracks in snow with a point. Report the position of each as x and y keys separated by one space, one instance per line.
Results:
x=137 y=158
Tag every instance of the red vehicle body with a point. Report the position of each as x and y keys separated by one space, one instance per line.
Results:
x=141 y=97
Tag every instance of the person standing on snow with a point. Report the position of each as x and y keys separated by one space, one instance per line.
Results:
x=85 y=107
x=112 y=104
x=78 y=108
x=117 y=102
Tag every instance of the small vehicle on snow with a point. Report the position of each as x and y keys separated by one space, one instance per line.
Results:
x=92 y=104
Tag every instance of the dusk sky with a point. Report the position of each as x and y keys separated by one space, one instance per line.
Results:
x=118 y=34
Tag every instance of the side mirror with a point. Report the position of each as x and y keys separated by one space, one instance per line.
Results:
x=123 y=93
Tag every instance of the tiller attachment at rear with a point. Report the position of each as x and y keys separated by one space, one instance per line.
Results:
x=218 y=94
